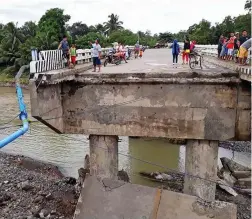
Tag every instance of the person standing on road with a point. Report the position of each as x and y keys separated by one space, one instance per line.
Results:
x=186 y=52
x=220 y=44
x=64 y=46
x=242 y=40
x=192 y=46
x=244 y=37
x=137 y=48
x=224 y=49
x=96 y=55
x=230 y=46
x=243 y=52
x=72 y=52
x=236 y=46
x=175 y=51
x=123 y=51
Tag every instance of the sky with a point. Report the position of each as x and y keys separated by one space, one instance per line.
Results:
x=154 y=15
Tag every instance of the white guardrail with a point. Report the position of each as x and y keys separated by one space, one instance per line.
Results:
x=49 y=60
x=212 y=50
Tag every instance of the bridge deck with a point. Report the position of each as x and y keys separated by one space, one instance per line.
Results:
x=156 y=65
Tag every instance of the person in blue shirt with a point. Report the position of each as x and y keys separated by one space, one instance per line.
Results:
x=64 y=46
x=175 y=51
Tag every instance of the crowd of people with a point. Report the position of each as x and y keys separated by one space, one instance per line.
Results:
x=187 y=49
x=234 y=47
x=118 y=50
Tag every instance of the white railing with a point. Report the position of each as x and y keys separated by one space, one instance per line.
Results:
x=212 y=50
x=49 y=60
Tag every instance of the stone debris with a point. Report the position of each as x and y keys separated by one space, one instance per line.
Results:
x=224 y=185
x=240 y=176
x=30 y=190
x=235 y=175
x=123 y=175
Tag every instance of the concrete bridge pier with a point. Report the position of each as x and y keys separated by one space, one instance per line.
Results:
x=104 y=156
x=201 y=160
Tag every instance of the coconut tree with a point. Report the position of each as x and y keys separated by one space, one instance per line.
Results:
x=9 y=48
x=113 y=24
x=99 y=28
x=29 y=29
x=248 y=5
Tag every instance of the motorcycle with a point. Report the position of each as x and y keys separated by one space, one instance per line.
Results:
x=112 y=59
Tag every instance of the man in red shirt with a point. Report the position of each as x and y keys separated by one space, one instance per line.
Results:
x=230 y=46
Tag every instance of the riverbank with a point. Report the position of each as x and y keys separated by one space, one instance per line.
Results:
x=6 y=81
x=32 y=189
x=239 y=146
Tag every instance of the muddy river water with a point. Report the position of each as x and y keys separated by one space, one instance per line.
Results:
x=68 y=151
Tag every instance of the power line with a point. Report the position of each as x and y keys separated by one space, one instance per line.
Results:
x=6 y=123
x=158 y=165
x=11 y=126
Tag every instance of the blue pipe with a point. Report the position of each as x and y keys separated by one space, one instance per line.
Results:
x=23 y=114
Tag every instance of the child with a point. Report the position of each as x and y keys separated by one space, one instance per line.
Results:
x=72 y=52
x=224 y=49
x=230 y=47
x=141 y=53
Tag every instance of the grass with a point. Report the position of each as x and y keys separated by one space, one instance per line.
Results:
x=9 y=79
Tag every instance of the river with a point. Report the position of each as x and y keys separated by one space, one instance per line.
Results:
x=68 y=151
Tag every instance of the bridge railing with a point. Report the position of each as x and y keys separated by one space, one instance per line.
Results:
x=49 y=60
x=212 y=50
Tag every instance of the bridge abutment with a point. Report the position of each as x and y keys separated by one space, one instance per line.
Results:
x=104 y=156
x=201 y=161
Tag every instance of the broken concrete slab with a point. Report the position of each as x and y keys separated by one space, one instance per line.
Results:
x=180 y=206
x=129 y=201
x=125 y=201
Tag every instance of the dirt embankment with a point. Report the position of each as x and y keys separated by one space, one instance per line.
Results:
x=30 y=189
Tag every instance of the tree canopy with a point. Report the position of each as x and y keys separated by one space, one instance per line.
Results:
x=112 y=24
x=16 y=42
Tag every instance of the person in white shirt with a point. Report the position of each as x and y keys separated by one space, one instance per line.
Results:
x=120 y=49
x=96 y=53
x=126 y=52
x=122 y=52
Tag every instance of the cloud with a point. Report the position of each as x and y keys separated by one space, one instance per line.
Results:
x=157 y=16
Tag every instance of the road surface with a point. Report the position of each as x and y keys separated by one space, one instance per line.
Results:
x=153 y=60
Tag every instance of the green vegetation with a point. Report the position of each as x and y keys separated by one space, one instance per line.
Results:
x=16 y=42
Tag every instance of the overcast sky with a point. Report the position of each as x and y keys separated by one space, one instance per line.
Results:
x=155 y=15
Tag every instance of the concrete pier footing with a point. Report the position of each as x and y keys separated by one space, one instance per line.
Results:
x=201 y=161
x=104 y=156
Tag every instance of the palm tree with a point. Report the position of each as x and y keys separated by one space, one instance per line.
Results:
x=29 y=29
x=99 y=28
x=9 y=48
x=112 y=24
x=248 y=5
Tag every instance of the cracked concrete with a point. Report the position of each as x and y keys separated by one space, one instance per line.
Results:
x=211 y=104
x=129 y=201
